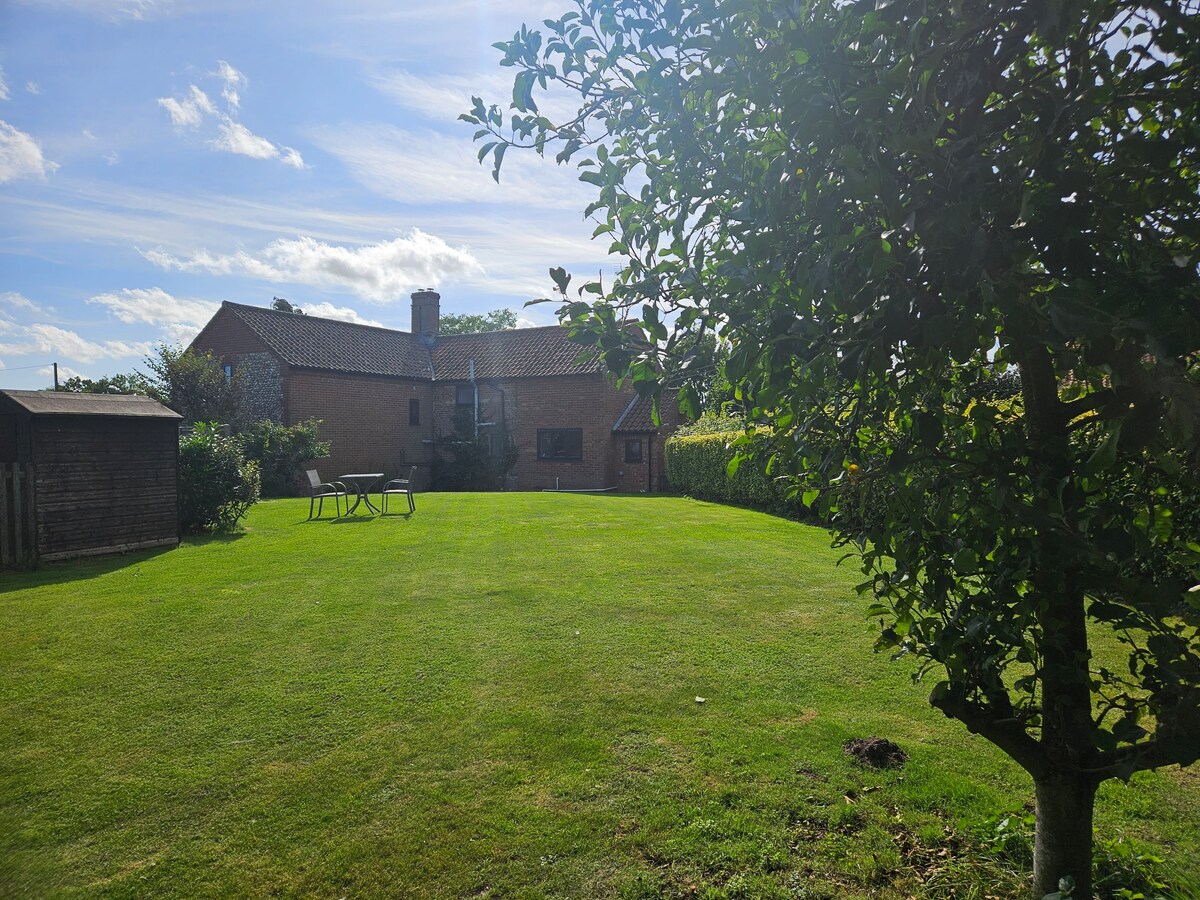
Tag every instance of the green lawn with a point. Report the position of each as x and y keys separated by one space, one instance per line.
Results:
x=494 y=698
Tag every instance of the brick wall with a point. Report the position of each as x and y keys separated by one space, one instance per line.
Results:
x=527 y=405
x=365 y=418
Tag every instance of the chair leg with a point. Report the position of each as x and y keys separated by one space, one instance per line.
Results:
x=311 y=501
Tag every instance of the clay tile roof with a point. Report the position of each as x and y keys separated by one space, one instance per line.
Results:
x=523 y=353
x=316 y=343
x=637 y=418
x=65 y=403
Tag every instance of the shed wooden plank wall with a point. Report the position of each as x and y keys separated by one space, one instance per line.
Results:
x=105 y=484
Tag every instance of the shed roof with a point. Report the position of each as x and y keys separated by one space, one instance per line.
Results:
x=315 y=343
x=65 y=403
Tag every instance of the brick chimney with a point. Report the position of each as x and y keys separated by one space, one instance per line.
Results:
x=425 y=312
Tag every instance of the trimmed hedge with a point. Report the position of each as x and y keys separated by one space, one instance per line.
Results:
x=697 y=465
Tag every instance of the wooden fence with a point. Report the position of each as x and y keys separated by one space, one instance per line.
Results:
x=18 y=516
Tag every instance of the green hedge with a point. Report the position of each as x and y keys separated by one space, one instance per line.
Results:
x=697 y=465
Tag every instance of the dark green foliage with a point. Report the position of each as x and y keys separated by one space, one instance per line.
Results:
x=281 y=452
x=217 y=485
x=472 y=323
x=133 y=383
x=193 y=384
x=875 y=205
x=464 y=461
x=697 y=459
x=284 y=305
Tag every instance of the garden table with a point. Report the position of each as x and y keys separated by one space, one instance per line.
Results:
x=361 y=483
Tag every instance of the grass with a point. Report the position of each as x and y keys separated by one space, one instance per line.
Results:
x=494 y=698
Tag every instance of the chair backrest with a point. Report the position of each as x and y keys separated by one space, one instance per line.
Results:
x=314 y=479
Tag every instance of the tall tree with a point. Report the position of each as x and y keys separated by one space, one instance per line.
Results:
x=878 y=205
x=475 y=323
x=193 y=384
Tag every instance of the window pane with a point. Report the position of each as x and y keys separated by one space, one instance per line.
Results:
x=633 y=450
x=414 y=412
x=464 y=395
x=560 y=443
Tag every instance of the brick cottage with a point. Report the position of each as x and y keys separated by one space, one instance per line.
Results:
x=382 y=395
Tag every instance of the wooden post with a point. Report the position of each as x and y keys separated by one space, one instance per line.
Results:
x=5 y=551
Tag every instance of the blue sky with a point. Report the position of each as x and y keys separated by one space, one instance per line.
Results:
x=160 y=156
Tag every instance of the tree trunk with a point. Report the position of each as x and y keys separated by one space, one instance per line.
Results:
x=1063 y=846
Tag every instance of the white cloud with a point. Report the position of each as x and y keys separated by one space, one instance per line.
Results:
x=112 y=157
x=431 y=167
x=381 y=272
x=234 y=81
x=343 y=313
x=50 y=339
x=444 y=97
x=20 y=155
x=32 y=87
x=116 y=10
x=14 y=300
x=237 y=138
x=188 y=112
x=3 y=85
x=192 y=110
x=154 y=306
x=64 y=372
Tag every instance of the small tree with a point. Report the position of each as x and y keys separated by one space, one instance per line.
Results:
x=281 y=452
x=465 y=461
x=876 y=204
x=193 y=384
x=473 y=323
x=217 y=485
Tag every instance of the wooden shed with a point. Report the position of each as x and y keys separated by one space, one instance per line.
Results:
x=85 y=474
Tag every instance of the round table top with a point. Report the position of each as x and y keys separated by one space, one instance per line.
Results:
x=363 y=475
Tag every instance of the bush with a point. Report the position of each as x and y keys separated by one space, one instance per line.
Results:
x=281 y=452
x=697 y=465
x=216 y=483
x=464 y=462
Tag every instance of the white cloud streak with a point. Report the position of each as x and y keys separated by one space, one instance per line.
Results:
x=154 y=306
x=43 y=338
x=3 y=85
x=342 y=313
x=234 y=82
x=196 y=107
x=435 y=168
x=191 y=110
x=21 y=156
x=381 y=273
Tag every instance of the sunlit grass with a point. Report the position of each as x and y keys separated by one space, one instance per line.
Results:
x=494 y=697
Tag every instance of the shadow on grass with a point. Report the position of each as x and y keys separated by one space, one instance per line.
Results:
x=66 y=571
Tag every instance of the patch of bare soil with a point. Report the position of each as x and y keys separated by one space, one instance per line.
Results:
x=875 y=752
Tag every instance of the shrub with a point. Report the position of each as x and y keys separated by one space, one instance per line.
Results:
x=466 y=462
x=281 y=452
x=697 y=465
x=217 y=485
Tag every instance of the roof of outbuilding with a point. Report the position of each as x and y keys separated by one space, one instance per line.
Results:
x=521 y=353
x=64 y=403
x=637 y=418
x=315 y=343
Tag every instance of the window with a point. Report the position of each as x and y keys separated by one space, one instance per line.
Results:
x=560 y=443
x=228 y=373
x=414 y=412
x=464 y=395
x=633 y=450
